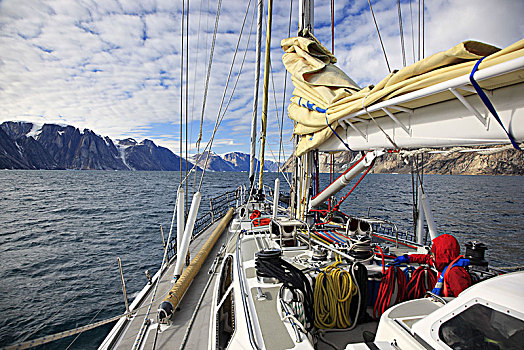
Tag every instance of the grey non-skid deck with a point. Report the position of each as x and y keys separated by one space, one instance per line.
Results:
x=171 y=338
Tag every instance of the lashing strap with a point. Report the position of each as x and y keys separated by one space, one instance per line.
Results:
x=488 y=103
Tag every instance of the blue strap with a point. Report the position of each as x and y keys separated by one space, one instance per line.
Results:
x=334 y=132
x=312 y=107
x=440 y=282
x=488 y=103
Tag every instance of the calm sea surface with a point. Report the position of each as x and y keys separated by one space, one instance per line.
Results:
x=62 y=231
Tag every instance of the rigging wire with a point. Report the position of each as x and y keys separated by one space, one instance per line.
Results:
x=275 y=158
x=206 y=87
x=187 y=97
x=379 y=36
x=253 y=139
x=194 y=82
x=333 y=27
x=332 y=156
x=219 y=118
x=423 y=30
x=418 y=41
x=265 y=100
x=280 y=122
x=412 y=31
x=181 y=88
x=91 y=320
x=86 y=285
x=281 y=148
x=401 y=29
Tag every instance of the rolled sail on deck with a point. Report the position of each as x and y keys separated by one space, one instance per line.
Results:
x=179 y=289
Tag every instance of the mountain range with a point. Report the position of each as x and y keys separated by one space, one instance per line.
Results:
x=25 y=145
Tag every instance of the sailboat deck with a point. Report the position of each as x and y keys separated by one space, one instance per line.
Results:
x=172 y=337
x=264 y=294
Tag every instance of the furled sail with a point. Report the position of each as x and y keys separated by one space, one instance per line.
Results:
x=324 y=94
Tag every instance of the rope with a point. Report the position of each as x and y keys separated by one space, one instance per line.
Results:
x=292 y=278
x=265 y=101
x=351 y=167
x=515 y=267
x=392 y=290
x=373 y=119
x=333 y=27
x=334 y=290
x=219 y=117
x=252 y=151
x=194 y=82
x=422 y=280
x=91 y=320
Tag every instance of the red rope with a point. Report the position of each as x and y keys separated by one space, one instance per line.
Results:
x=392 y=290
x=423 y=279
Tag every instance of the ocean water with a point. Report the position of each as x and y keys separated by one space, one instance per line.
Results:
x=62 y=231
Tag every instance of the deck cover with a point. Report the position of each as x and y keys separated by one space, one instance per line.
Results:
x=324 y=94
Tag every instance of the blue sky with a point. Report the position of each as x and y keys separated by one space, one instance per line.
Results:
x=114 y=66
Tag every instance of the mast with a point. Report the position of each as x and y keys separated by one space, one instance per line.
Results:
x=306 y=18
x=266 y=88
x=260 y=10
x=302 y=169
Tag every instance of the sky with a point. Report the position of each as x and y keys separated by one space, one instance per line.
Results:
x=115 y=66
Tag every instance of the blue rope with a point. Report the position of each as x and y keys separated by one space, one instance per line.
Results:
x=313 y=107
x=489 y=105
x=334 y=132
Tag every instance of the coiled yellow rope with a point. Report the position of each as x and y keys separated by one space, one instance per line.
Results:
x=334 y=289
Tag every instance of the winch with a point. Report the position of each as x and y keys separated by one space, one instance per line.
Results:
x=475 y=253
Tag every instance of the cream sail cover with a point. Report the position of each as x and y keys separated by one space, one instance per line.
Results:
x=323 y=93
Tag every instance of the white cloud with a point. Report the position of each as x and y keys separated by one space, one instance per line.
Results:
x=114 y=66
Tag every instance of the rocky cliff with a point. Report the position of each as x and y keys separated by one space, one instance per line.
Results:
x=498 y=161
x=495 y=162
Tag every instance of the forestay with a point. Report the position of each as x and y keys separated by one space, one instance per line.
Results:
x=326 y=99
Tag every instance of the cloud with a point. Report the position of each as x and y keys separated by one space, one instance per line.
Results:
x=115 y=66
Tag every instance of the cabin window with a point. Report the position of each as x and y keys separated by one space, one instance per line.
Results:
x=225 y=317
x=480 y=327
